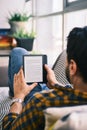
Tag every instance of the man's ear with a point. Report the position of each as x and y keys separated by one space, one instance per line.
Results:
x=72 y=67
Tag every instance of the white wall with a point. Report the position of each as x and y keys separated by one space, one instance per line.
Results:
x=9 y=6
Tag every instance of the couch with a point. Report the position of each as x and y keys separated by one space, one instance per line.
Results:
x=4 y=90
x=56 y=118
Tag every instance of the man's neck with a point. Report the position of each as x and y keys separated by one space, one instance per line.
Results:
x=80 y=85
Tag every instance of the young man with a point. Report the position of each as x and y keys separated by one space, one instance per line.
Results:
x=31 y=117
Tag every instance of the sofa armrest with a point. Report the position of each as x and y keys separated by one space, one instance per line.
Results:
x=4 y=59
x=3 y=76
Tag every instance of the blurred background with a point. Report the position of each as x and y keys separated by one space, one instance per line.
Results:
x=51 y=21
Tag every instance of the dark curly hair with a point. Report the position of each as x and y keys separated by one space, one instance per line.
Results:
x=77 y=49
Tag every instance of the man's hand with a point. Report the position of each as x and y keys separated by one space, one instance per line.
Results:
x=21 y=89
x=50 y=77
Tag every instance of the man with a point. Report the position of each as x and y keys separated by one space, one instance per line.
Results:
x=31 y=116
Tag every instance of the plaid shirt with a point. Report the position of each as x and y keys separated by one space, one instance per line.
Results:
x=32 y=117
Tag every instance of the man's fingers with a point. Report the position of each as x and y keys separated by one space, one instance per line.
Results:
x=15 y=78
x=21 y=73
x=30 y=87
x=48 y=69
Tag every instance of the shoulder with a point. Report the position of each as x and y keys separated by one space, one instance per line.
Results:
x=41 y=93
x=45 y=94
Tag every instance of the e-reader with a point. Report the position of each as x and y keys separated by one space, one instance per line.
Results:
x=34 y=70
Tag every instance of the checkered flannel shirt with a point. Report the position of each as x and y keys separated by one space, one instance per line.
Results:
x=32 y=117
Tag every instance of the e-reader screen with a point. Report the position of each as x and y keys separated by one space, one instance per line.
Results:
x=34 y=70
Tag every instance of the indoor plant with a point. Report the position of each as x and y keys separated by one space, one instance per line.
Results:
x=20 y=30
x=24 y=39
x=18 y=21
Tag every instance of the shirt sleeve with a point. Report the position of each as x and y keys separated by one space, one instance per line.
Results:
x=8 y=119
x=30 y=117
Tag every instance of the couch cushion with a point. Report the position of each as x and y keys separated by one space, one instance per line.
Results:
x=75 y=121
x=52 y=115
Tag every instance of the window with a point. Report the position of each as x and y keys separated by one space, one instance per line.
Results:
x=45 y=7
x=73 y=5
x=57 y=5
x=71 y=21
x=48 y=28
x=49 y=36
x=72 y=0
x=53 y=21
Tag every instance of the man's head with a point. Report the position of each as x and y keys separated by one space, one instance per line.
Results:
x=77 y=53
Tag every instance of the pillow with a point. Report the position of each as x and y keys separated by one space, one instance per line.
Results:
x=74 y=121
x=55 y=113
x=4 y=91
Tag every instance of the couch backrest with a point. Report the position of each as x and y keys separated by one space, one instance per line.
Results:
x=59 y=68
